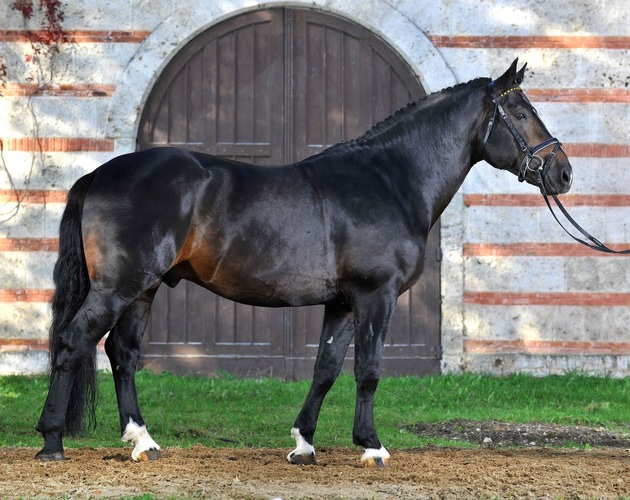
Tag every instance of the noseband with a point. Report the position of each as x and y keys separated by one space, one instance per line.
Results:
x=531 y=160
x=536 y=164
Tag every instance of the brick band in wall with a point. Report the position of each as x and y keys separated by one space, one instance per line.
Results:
x=29 y=244
x=33 y=196
x=80 y=36
x=588 y=299
x=536 y=250
x=67 y=144
x=58 y=90
x=443 y=41
x=21 y=345
x=21 y=89
x=33 y=295
x=51 y=144
x=536 y=200
x=545 y=347
x=531 y=42
x=607 y=95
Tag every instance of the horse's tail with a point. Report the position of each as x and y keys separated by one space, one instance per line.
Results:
x=72 y=285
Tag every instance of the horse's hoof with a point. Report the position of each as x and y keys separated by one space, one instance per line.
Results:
x=50 y=456
x=147 y=455
x=374 y=458
x=304 y=454
x=376 y=462
x=302 y=459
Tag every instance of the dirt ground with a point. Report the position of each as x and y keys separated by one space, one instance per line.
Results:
x=535 y=470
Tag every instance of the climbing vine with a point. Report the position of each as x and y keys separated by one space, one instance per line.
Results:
x=47 y=39
x=44 y=42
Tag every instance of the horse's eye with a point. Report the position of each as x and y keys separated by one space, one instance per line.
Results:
x=520 y=116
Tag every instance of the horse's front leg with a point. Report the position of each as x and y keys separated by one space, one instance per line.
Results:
x=337 y=332
x=123 y=350
x=373 y=315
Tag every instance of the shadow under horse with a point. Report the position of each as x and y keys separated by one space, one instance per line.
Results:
x=346 y=228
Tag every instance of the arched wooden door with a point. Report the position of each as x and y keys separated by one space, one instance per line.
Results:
x=272 y=87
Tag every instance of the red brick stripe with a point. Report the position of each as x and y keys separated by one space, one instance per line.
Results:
x=29 y=244
x=534 y=250
x=536 y=200
x=608 y=95
x=585 y=150
x=32 y=196
x=596 y=150
x=58 y=90
x=65 y=144
x=544 y=347
x=22 y=345
x=531 y=42
x=461 y=41
x=33 y=295
x=490 y=200
x=81 y=36
x=547 y=299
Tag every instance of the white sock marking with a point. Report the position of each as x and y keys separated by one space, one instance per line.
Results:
x=374 y=453
x=139 y=437
x=303 y=448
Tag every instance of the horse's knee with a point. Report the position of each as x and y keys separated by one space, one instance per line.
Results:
x=367 y=378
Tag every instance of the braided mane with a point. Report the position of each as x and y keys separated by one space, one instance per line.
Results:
x=423 y=102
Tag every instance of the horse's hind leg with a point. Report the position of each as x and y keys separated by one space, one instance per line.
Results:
x=337 y=332
x=75 y=347
x=123 y=349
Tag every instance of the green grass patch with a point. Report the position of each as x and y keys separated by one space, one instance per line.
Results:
x=227 y=411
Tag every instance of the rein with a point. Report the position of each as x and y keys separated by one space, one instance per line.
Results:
x=540 y=168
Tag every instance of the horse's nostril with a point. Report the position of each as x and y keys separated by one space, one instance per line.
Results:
x=567 y=175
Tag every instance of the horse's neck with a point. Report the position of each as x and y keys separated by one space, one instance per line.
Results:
x=438 y=151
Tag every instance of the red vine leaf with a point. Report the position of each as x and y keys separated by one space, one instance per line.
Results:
x=51 y=34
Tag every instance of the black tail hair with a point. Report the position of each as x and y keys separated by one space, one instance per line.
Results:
x=72 y=285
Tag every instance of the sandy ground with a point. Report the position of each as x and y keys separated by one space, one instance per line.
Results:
x=227 y=473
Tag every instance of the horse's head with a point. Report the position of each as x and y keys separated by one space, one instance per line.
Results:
x=517 y=140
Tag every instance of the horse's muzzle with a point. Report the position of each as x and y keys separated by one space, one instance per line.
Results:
x=558 y=179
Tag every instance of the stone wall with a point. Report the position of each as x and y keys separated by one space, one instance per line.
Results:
x=518 y=295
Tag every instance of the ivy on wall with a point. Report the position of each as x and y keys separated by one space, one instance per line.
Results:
x=47 y=39
x=43 y=42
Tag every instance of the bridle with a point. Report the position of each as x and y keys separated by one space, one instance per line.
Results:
x=534 y=163
x=531 y=161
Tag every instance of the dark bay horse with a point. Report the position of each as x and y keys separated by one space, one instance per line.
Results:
x=346 y=228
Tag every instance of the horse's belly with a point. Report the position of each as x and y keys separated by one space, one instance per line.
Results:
x=272 y=290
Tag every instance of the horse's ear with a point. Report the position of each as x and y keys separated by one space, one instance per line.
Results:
x=510 y=78
x=520 y=76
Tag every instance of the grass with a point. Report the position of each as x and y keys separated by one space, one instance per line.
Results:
x=227 y=411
